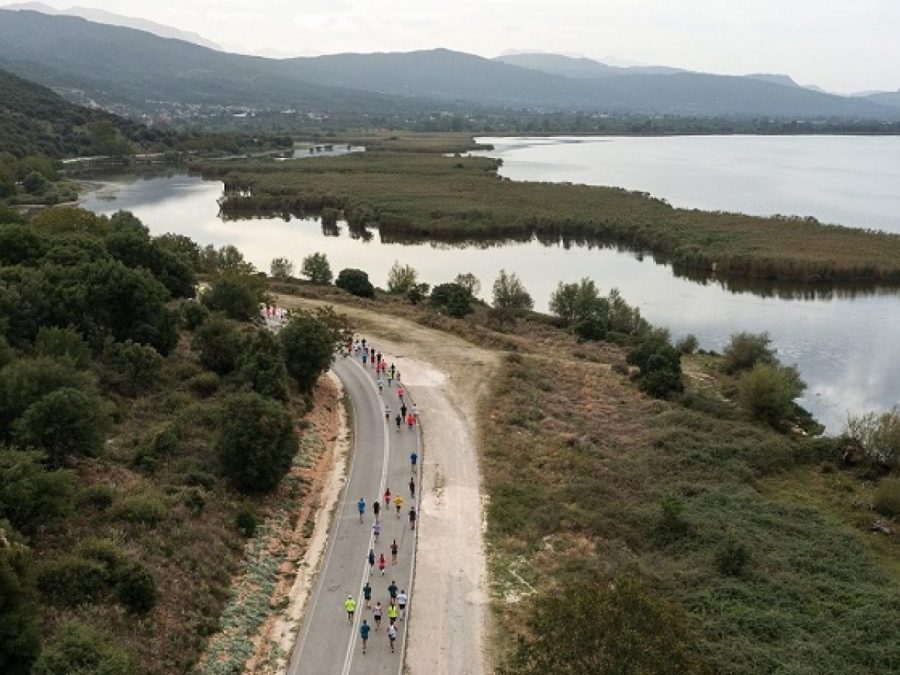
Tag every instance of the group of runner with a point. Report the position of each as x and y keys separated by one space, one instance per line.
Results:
x=397 y=600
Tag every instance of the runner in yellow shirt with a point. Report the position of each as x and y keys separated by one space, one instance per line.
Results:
x=398 y=502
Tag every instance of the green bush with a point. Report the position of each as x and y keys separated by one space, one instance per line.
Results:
x=77 y=649
x=257 y=443
x=237 y=296
x=745 y=350
x=136 y=588
x=72 y=580
x=245 y=519
x=219 y=344
x=316 y=269
x=204 y=384
x=308 y=344
x=879 y=436
x=193 y=314
x=30 y=495
x=35 y=183
x=732 y=559
x=887 y=497
x=688 y=344
x=20 y=637
x=281 y=268
x=133 y=367
x=104 y=551
x=355 y=282
x=510 y=293
x=262 y=366
x=401 y=278
x=99 y=496
x=63 y=343
x=451 y=299
x=768 y=392
x=672 y=524
x=147 y=508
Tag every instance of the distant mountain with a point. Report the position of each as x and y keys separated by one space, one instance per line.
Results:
x=101 y=16
x=581 y=68
x=113 y=65
x=774 y=78
x=34 y=120
x=888 y=98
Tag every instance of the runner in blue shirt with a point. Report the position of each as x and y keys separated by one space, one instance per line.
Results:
x=364 y=633
x=361 y=507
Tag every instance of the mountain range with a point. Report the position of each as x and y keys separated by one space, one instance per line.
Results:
x=115 y=65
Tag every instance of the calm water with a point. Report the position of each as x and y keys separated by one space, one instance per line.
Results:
x=848 y=180
x=847 y=348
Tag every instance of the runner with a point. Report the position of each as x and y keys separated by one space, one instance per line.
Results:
x=371 y=559
x=374 y=362
x=398 y=420
x=387 y=498
x=350 y=607
x=361 y=507
x=412 y=487
x=365 y=357
x=402 y=599
x=394 y=549
x=415 y=411
x=410 y=421
x=392 y=612
x=413 y=459
x=403 y=410
x=390 y=378
x=376 y=509
x=387 y=413
x=376 y=530
x=412 y=517
x=392 y=591
x=381 y=563
x=392 y=636
x=398 y=504
x=401 y=392
x=364 y=634
x=380 y=386
x=376 y=614
x=367 y=594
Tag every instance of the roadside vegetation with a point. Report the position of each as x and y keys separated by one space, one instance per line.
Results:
x=700 y=524
x=142 y=432
x=430 y=194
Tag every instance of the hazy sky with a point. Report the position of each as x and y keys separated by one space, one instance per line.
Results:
x=840 y=45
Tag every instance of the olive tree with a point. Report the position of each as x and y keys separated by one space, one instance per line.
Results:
x=510 y=293
x=317 y=269
x=401 y=278
x=281 y=268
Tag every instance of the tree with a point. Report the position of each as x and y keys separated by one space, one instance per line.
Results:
x=64 y=423
x=768 y=391
x=133 y=367
x=77 y=649
x=470 y=282
x=281 y=268
x=509 y=293
x=61 y=219
x=230 y=260
x=879 y=436
x=235 y=295
x=30 y=495
x=7 y=183
x=316 y=268
x=600 y=626
x=574 y=301
x=35 y=183
x=107 y=140
x=20 y=638
x=355 y=282
x=256 y=443
x=659 y=363
x=451 y=299
x=745 y=350
x=401 y=278
x=263 y=367
x=63 y=343
x=308 y=345
x=132 y=245
x=20 y=245
x=219 y=344
x=182 y=246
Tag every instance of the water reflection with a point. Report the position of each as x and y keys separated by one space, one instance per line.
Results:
x=845 y=340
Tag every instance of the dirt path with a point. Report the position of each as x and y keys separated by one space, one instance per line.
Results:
x=447 y=377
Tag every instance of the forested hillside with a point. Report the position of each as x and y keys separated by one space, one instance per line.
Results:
x=140 y=431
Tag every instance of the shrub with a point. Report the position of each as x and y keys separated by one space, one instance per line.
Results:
x=470 y=282
x=30 y=495
x=136 y=589
x=355 y=282
x=104 y=551
x=879 y=436
x=308 y=345
x=237 y=296
x=417 y=293
x=35 y=183
x=263 y=369
x=133 y=367
x=451 y=299
x=575 y=301
x=147 y=508
x=768 y=392
x=63 y=343
x=204 y=384
x=672 y=524
x=745 y=350
x=887 y=497
x=77 y=649
x=72 y=580
x=315 y=267
x=193 y=314
x=510 y=293
x=245 y=519
x=20 y=638
x=401 y=278
x=732 y=559
x=64 y=423
x=688 y=344
x=659 y=363
x=256 y=443
x=62 y=219
x=99 y=496
x=219 y=344
x=281 y=268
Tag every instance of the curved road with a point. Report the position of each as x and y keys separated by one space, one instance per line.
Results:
x=327 y=642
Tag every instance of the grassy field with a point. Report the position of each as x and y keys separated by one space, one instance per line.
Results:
x=412 y=189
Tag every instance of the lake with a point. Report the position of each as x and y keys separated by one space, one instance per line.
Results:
x=846 y=343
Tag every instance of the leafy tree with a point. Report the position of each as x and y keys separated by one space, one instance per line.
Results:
x=64 y=423
x=37 y=164
x=20 y=245
x=7 y=184
x=688 y=344
x=132 y=245
x=317 y=269
x=30 y=495
x=470 y=282
x=355 y=282
x=19 y=632
x=417 y=293
x=574 y=301
x=219 y=344
x=659 y=363
x=451 y=299
x=401 y=278
x=599 y=626
x=132 y=367
x=768 y=391
x=509 y=293
x=77 y=649
x=107 y=140
x=281 y=268
x=230 y=260
x=879 y=436
x=126 y=221
x=623 y=318
x=182 y=246
x=235 y=295
x=256 y=443
x=193 y=314
x=745 y=350
x=63 y=343
x=263 y=367
x=60 y=219
x=308 y=344
x=35 y=183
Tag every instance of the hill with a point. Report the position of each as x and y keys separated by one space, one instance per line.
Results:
x=121 y=66
x=889 y=98
x=581 y=68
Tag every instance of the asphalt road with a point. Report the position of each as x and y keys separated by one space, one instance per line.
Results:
x=327 y=642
